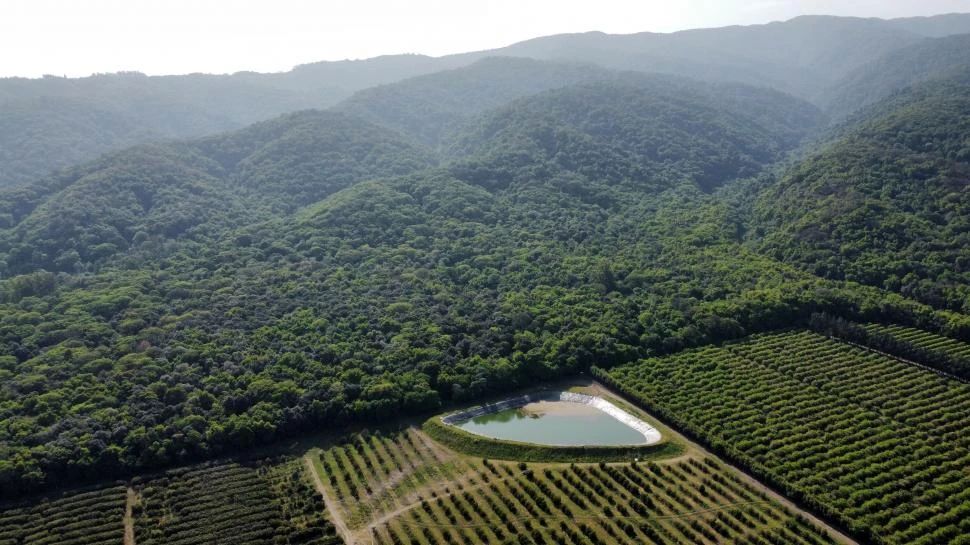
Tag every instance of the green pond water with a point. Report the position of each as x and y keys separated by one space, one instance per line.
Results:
x=592 y=427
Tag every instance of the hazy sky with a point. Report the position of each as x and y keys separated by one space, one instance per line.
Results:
x=79 y=37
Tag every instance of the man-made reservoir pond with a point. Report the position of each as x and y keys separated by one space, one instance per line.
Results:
x=557 y=418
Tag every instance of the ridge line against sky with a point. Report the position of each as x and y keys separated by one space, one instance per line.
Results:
x=156 y=37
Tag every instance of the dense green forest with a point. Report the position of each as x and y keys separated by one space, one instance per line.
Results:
x=141 y=198
x=886 y=201
x=173 y=302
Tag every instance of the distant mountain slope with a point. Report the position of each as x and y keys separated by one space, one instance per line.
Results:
x=800 y=56
x=929 y=59
x=194 y=190
x=639 y=132
x=300 y=158
x=887 y=201
x=803 y=56
x=37 y=135
x=352 y=75
x=428 y=107
x=935 y=26
x=53 y=122
x=651 y=132
x=145 y=193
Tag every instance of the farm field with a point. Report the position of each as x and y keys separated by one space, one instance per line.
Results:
x=688 y=501
x=925 y=340
x=401 y=487
x=90 y=517
x=225 y=503
x=881 y=445
x=234 y=504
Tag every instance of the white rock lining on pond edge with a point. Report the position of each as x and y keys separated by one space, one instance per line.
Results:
x=650 y=434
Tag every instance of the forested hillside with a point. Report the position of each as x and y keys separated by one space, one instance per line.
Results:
x=651 y=132
x=542 y=249
x=885 y=201
x=935 y=26
x=38 y=135
x=943 y=58
x=800 y=56
x=432 y=106
x=139 y=200
x=55 y=122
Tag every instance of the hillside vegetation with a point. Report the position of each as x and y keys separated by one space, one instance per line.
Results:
x=942 y=58
x=53 y=122
x=885 y=201
x=139 y=200
x=645 y=132
x=390 y=295
x=432 y=107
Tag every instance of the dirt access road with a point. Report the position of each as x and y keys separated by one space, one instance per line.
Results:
x=335 y=517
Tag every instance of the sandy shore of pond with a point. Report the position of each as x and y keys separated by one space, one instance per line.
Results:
x=560 y=407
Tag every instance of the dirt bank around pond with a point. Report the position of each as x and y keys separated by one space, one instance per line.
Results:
x=650 y=434
x=565 y=408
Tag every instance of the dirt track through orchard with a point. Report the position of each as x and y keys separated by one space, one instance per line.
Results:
x=335 y=517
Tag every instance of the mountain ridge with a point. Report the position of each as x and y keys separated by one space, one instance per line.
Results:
x=802 y=56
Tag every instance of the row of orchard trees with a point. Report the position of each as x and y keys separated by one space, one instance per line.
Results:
x=915 y=348
x=836 y=427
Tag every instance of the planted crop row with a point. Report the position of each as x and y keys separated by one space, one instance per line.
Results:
x=269 y=502
x=690 y=501
x=301 y=508
x=92 y=517
x=371 y=473
x=932 y=351
x=925 y=339
x=881 y=445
